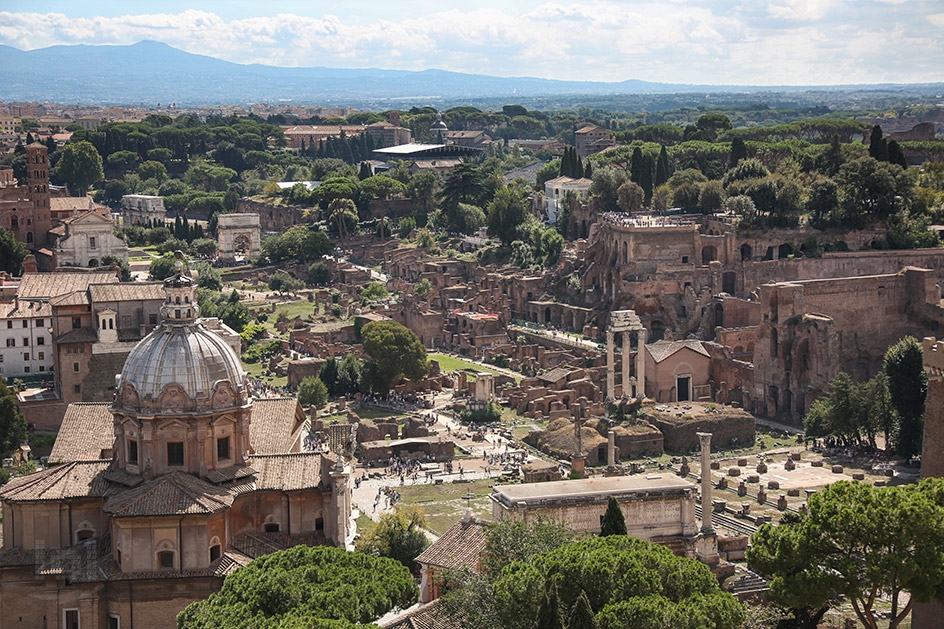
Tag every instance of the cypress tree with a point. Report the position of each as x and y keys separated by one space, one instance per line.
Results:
x=646 y=178
x=588 y=170
x=578 y=171
x=177 y=226
x=364 y=171
x=614 y=523
x=896 y=155
x=662 y=167
x=581 y=616
x=635 y=166
x=834 y=155
x=50 y=145
x=877 y=147
x=549 y=615
x=738 y=151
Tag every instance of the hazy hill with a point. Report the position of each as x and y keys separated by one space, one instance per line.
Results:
x=152 y=71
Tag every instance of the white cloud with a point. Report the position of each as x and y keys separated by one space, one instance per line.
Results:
x=710 y=41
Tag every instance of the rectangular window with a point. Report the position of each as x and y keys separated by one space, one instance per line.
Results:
x=114 y=622
x=77 y=388
x=26 y=356
x=25 y=341
x=25 y=323
x=70 y=619
x=26 y=369
x=40 y=340
x=166 y=558
x=152 y=319
x=11 y=342
x=76 y=323
x=91 y=242
x=175 y=453
x=133 y=451
x=41 y=356
x=9 y=324
x=42 y=367
x=39 y=323
x=222 y=449
x=75 y=367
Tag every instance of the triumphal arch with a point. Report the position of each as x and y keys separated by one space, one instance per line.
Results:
x=239 y=234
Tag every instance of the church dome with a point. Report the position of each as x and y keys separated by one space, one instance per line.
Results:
x=190 y=356
x=181 y=365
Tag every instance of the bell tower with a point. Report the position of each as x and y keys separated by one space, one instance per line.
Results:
x=37 y=172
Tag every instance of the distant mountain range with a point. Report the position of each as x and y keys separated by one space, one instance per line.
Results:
x=150 y=72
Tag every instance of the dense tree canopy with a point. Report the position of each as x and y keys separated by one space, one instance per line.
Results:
x=398 y=535
x=857 y=543
x=627 y=582
x=80 y=165
x=396 y=350
x=305 y=587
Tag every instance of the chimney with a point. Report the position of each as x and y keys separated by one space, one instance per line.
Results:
x=611 y=449
x=705 y=439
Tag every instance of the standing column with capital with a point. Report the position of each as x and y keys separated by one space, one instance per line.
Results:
x=705 y=439
x=641 y=363
x=626 y=352
x=610 y=367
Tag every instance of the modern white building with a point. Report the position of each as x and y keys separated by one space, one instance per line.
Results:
x=555 y=189
x=25 y=338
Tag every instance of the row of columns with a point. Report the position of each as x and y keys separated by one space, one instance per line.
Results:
x=640 y=363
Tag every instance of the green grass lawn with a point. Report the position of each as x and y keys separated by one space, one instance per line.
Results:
x=451 y=363
x=444 y=505
x=300 y=308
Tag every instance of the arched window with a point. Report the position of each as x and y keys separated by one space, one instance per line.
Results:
x=84 y=531
x=269 y=525
x=166 y=555
x=216 y=549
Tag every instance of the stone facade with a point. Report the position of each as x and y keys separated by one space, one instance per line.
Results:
x=85 y=239
x=239 y=232
x=182 y=480
x=142 y=209
x=659 y=508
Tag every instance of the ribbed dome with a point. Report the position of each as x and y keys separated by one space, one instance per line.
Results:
x=189 y=355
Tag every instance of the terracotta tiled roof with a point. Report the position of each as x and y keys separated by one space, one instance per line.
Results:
x=459 y=547
x=48 y=285
x=86 y=430
x=276 y=425
x=83 y=204
x=75 y=298
x=82 y=335
x=255 y=545
x=288 y=472
x=660 y=350
x=428 y=616
x=170 y=494
x=78 y=479
x=127 y=291
x=555 y=374
x=24 y=310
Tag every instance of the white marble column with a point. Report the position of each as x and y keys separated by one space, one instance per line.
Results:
x=626 y=351
x=611 y=449
x=704 y=439
x=641 y=363
x=610 y=366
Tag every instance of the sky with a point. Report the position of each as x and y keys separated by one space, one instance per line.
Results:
x=746 y=42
